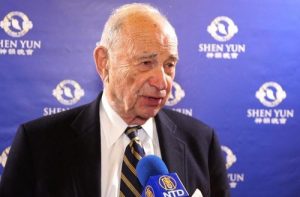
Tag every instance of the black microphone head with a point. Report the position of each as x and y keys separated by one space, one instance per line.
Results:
x=150 y=165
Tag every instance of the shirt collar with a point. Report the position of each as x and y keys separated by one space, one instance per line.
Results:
x=148 y=127
x=116 y=126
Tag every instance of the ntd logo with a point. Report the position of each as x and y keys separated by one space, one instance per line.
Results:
x=164 y=186
x=170 y=186
x=167 y=182
x=175 y=193
x=149 y=191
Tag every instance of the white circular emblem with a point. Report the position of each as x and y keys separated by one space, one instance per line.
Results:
x=16 y=24
x=222 y=28
x=177 y=93
x=68 y=92
x=270 y=94
x=3 y=156
x=230 y=157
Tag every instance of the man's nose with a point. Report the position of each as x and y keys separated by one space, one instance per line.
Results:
x=158 y=78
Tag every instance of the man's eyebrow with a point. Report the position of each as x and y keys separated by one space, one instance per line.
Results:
x=147 y=56
x=154 y=55
x=173 y=57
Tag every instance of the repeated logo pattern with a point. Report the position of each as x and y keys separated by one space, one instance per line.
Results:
x=16 y=24
x=176 y=95
x=222 y=29
x=68 y=92
x=230 y=158
x=270 y=95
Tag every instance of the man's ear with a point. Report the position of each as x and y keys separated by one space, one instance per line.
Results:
x=101 y=61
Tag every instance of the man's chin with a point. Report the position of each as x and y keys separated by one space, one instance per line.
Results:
x=143 y=114
x=149 y=113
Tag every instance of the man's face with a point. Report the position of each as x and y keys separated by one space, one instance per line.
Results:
x=141 y=72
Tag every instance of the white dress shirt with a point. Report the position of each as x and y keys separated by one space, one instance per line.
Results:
x=113 y=145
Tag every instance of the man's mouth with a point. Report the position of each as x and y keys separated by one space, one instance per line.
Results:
x=153 y=101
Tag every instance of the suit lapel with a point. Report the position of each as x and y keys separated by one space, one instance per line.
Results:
x=86 y=169
x=86 y=154
x=172 y=148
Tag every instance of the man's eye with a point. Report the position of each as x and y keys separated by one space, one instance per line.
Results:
x=146 y=63
x=170 y=65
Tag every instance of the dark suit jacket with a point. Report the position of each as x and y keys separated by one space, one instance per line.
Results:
x=59 y=155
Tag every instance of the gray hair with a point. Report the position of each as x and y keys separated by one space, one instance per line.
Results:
x=113 y=26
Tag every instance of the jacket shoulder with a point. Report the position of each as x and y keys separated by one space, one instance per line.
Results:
x=54 y=119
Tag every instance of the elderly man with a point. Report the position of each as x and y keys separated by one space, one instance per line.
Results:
x=85 y=152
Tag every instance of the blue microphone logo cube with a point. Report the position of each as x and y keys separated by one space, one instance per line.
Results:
x=165 y=186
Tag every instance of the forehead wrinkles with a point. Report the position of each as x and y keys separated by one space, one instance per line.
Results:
x=149 y=40
x=143 y=32
x=150 y=46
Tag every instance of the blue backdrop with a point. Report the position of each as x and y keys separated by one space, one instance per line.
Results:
x=238 y=72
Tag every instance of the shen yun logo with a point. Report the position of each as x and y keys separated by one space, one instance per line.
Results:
x=271 y=95
x=222 y=29
x=231 y=159
x=17 y=24
x=176 y=95
x=68 y=92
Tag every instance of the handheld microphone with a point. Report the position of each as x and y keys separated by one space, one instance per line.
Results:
x=156 y=179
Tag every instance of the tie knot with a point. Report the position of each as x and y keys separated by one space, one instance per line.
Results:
x=131 y=132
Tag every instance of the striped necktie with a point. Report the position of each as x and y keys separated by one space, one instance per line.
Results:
x=130 y=185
